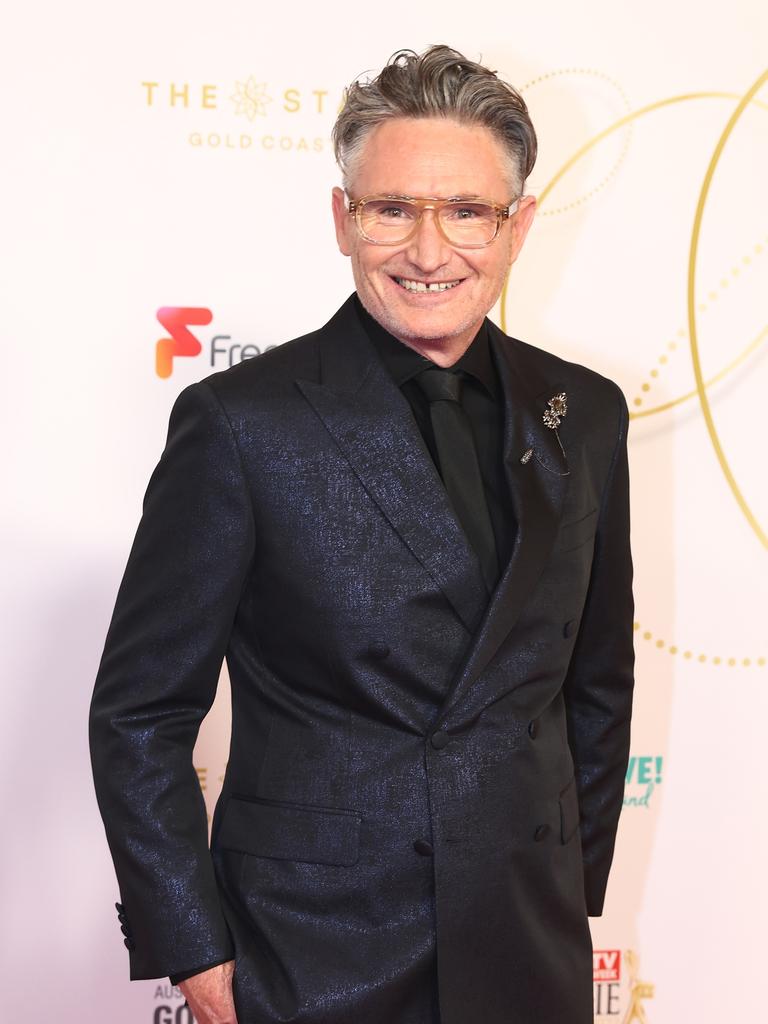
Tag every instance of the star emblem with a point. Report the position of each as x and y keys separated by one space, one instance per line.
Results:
x=251 y=98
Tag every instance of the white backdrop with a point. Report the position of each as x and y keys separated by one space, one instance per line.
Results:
x=177 y=155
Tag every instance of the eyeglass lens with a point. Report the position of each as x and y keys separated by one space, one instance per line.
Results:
x=387 y=220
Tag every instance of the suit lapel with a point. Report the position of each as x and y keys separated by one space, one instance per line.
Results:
x=372 y=423
x=537 y=487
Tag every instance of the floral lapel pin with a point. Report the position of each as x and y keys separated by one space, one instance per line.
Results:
x=558 y=407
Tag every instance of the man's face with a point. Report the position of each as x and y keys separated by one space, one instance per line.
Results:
x=439 y=158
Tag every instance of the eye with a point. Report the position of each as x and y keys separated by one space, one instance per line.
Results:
x=467 y=212
x=392 y=211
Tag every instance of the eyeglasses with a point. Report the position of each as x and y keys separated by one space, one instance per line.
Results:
x=465 y=223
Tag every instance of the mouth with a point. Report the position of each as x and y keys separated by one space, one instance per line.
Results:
x=411 y=285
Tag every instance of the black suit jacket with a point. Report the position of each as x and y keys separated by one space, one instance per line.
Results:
x=423 y=786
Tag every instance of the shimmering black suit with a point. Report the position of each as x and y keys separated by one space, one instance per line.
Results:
x=410 y=763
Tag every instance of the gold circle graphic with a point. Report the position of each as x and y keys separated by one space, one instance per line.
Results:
x=735 y=274
x=590 y=73
x=744 y=101
x=744 y=354
x=715 y=659
x=692 y=324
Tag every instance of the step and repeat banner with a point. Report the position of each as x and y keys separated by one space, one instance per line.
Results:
x=165 y=192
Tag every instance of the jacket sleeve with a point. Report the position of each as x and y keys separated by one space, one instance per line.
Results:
x=599 y=683
x=156 y=682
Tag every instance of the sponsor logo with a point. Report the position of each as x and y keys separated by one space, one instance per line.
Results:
x=251 y=98
x=606 y=965
x=618 y=992
x=222 y=351
x=169 y=1009
x=246 y=114
x=606 y=978
x=643 y=776
x=177 y=320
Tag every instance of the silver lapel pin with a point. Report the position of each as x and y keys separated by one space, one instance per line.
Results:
x=525 y=458
x=558 y=407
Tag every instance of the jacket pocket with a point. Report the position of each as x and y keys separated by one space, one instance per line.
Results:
x=288 y=831
x=573 y=534
x=569 y=811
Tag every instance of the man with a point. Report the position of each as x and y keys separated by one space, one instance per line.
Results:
x=409 y=536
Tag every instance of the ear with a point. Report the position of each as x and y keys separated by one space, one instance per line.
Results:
x=520 y=223
x=342 y=221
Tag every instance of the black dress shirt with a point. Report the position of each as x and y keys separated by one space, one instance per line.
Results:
x=482 y=400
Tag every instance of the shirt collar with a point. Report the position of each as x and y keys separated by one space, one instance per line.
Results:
x=403 y=362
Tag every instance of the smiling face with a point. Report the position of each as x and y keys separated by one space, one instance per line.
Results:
x=439 y=158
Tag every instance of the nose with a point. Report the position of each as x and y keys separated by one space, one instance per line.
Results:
x=427 y=249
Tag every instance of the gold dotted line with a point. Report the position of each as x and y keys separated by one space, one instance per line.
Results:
x=573 y=71
x=601 y=184
x=702 y=658
x=580 y=200
x=757 y=250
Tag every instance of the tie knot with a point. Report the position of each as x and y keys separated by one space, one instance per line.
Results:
x=440 y=384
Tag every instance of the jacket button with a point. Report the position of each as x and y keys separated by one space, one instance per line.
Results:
x=440 y=739
x=533 y=729
x=120 y=908
x=570 y=627
x=130 y=945
x=378 y=649
x=424 y=847
x=541 y=833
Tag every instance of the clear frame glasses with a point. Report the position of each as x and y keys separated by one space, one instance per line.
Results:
x=467 y=223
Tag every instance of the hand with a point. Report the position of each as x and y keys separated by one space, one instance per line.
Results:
x=209 y=995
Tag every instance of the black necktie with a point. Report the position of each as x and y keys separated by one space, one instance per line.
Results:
x=459 y=467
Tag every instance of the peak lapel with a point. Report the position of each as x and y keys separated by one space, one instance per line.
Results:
x=538 y=487
x=372 y=423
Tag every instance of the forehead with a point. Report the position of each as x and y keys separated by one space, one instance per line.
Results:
x=431 y=157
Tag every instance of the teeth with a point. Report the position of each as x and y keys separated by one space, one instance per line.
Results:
x=420 y=286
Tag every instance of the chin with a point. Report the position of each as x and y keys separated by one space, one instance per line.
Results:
x=409 y=327
x=425 y=331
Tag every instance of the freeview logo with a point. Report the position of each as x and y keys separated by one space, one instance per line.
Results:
x=222 y=350
x=177 y=320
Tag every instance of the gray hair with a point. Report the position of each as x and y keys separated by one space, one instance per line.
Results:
x=440 y=82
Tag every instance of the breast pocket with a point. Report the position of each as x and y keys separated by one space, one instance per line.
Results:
x=576 y=532
x=291 y=831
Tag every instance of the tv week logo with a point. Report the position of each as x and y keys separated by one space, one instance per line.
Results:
x=606 y=965
x=606 y=976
